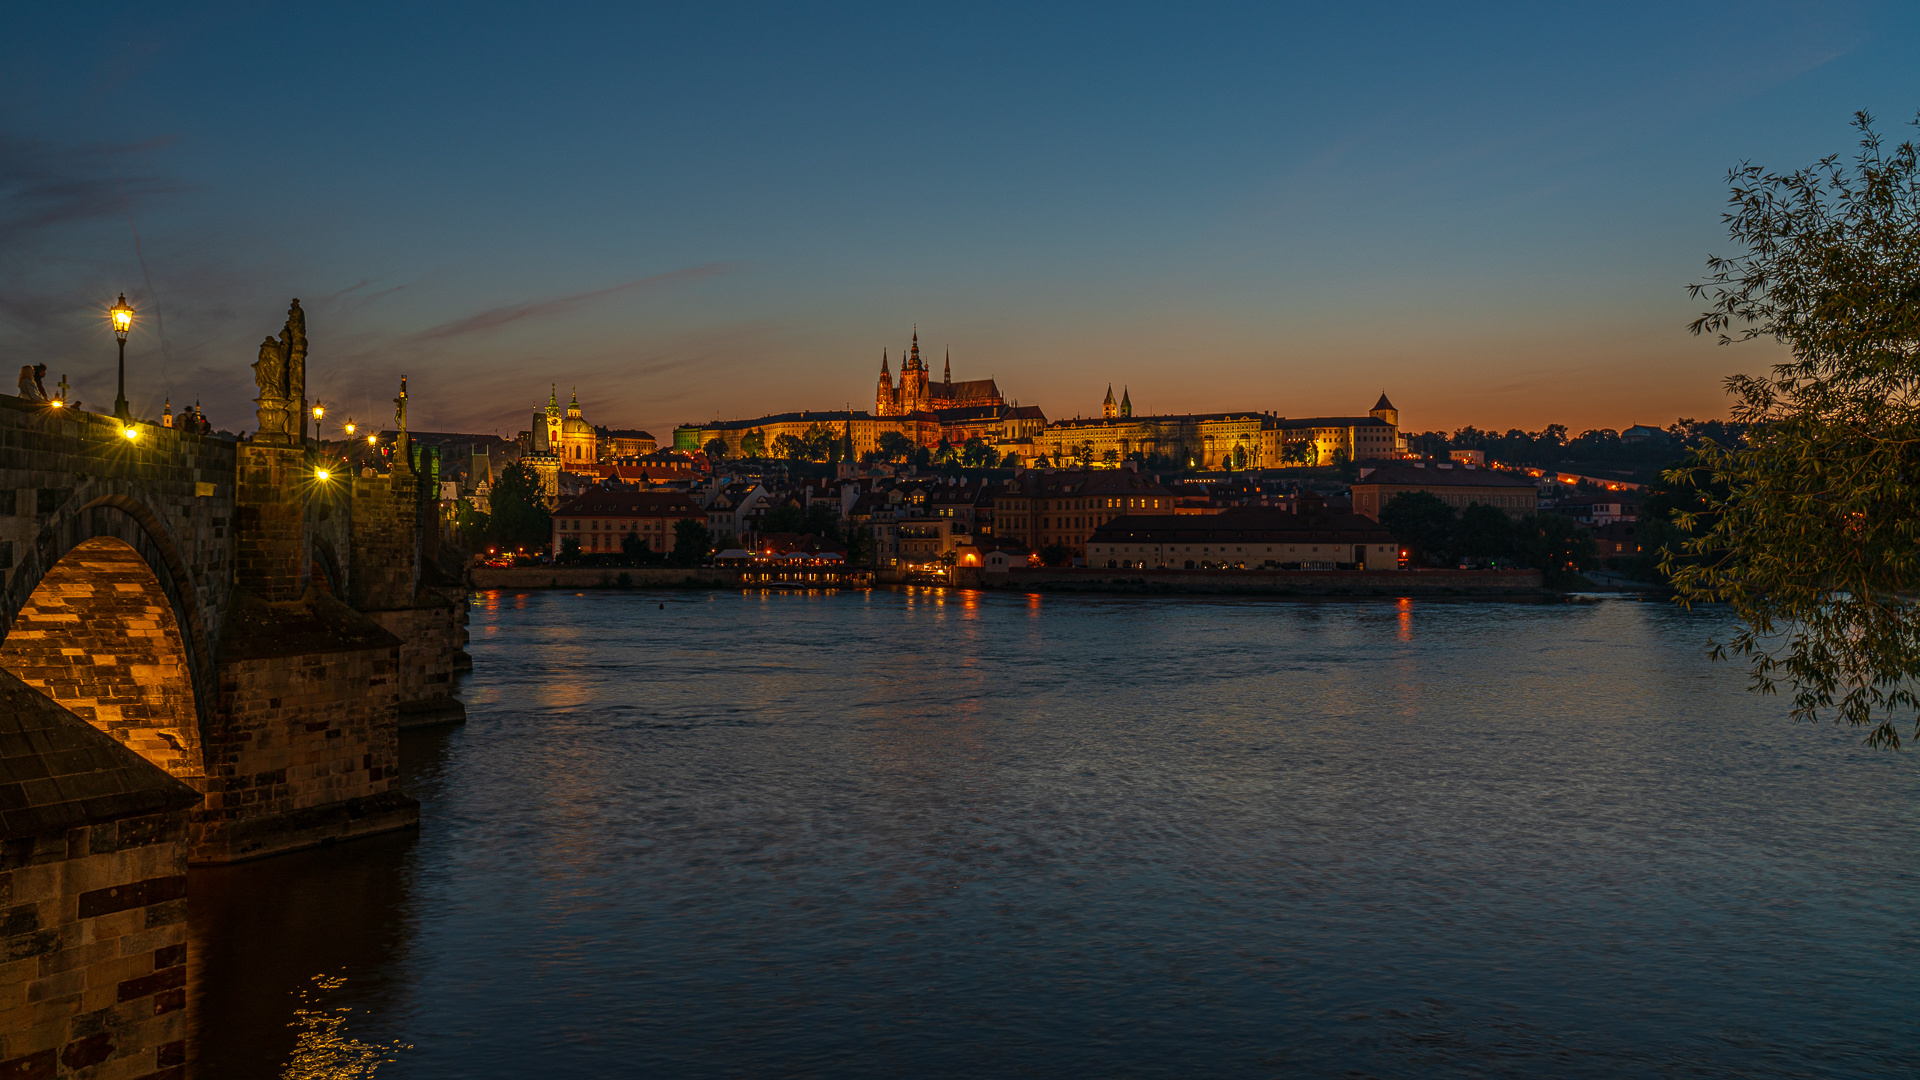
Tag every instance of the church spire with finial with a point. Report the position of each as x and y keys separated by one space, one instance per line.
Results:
x=949 y=375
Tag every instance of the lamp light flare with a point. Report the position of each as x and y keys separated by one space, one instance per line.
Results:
x=319 y=410
x=130 y=433
x=372 y=440
x=122 y=317
x=322 y=475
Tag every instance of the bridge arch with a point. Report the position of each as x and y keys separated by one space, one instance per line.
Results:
x=100 y=618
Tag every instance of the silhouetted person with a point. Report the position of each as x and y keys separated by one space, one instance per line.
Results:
x=31 y=386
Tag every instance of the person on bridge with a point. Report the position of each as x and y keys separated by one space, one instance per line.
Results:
x=31 y=387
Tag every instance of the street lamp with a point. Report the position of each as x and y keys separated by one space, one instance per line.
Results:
x=349 y=427
x=319 y=411
x=122 y=322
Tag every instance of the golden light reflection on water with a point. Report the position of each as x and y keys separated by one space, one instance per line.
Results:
x=325 y=1050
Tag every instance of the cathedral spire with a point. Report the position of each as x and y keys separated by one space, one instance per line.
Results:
x=949 y=375
x=883 y=362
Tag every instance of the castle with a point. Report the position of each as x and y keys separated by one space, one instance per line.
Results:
x=917 y=392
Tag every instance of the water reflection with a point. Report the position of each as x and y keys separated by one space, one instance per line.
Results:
x=324 y=1048
x=853 y=835
x=257 y=932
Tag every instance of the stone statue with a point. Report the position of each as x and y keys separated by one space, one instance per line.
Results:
x=281 y=374
x=293 y=341
x=270 y=371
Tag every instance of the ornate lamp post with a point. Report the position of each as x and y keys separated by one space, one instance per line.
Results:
x=319 y=411
x=122 y=322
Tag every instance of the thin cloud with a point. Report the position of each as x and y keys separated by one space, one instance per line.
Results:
x=43 y=186
x=495 y=318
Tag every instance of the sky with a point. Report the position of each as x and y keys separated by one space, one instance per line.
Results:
x=1490 y=212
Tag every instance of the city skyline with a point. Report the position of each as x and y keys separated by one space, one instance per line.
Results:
x=728 y=214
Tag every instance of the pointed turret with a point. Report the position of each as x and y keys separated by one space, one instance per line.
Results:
x=1126 y=402
x=573 y=407
x=1384 y=410
x=883 y=364
x=949 y=375
x=1107 y=407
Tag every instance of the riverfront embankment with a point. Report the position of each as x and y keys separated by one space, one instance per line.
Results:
x=1278 y=583
x=597 y=577
x=1433 y=583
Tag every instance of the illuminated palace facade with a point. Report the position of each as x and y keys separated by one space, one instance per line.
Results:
x=1244 y=440
x=929 y=412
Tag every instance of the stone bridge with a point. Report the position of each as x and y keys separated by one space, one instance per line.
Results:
x=209 y=648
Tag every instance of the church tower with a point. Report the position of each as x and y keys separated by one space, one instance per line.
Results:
x=883 y=400
x=1126 y=401
x=553 y=419
x=1107 y=408
x=1384 y=410
x=948 y=377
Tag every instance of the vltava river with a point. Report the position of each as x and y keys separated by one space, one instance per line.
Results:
x=955 y=834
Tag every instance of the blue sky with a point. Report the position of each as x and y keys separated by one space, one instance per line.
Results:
x=1489 y=211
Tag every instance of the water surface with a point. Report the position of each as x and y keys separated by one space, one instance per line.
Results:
x=957 y=834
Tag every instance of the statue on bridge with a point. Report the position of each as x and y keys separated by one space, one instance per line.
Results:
x=281 y=374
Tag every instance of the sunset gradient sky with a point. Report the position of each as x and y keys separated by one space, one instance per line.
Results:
x=694 y=211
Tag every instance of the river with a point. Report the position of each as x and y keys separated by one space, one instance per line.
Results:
x=959 y=834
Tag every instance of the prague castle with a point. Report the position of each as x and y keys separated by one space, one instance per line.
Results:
x=917 y=393
x=929 y=413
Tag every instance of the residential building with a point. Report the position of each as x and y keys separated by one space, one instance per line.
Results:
x=1244 y=538
x=624 y=442
x=1457 y=485
x=1044 y=507
x=601 y=517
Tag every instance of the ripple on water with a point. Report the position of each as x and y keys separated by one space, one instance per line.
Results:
x=949 y=834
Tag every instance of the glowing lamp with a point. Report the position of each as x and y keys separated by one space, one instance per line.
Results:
x=130 y=433
x=372 y=439
x=122 y=317
x=319 y=410
x=349 y=427
x=322 y=475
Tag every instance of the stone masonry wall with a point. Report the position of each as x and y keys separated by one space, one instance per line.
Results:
x=99 y=637
x=93 y=983
x=307 y=751
x=67 y=476
x=382 y=569
x=272 y=549
x=434 y=636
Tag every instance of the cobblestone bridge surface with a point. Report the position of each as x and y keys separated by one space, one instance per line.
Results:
x=206 y=656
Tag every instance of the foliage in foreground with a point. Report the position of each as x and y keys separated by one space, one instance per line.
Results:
x=1808 y=525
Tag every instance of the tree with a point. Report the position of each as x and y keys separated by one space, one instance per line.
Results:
x=1083 y=454
x=520 y=517
x=716 y=448
x=1111 y=458
x=691 y=542
x=1815 y=543
x=570 y=550
x=470 y=525
x=1056 y=555
x=1557 y=546
x=1011 y=461
x=634 y=548
x=975 y=453
x=753 y=444
x=1422 y=523
x=786 y=446
x=895 y=446
x=1484 y=532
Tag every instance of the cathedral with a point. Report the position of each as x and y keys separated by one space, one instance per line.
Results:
x=917 y=392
